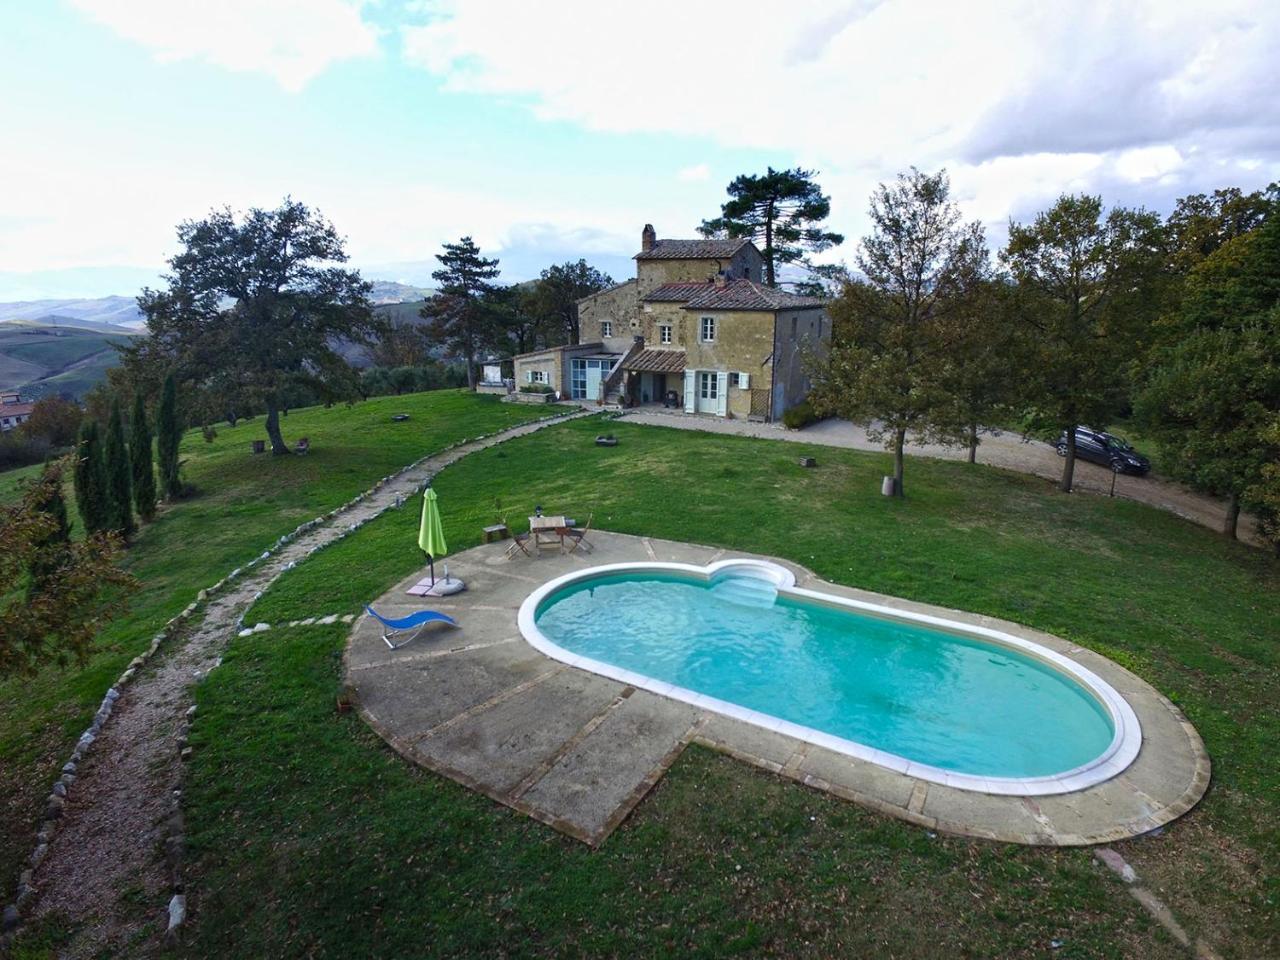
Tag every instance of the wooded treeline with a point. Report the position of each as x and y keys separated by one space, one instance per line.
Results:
x=1086 y=317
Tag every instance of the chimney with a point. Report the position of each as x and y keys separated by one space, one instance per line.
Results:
x=721 y=280
x=648 y=237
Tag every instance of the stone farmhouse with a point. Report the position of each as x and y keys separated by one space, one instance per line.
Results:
x=13 y=411
x=696 y=330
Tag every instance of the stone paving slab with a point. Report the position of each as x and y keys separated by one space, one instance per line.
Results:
x=597 y=782
x=578 y=751
x=502 y=745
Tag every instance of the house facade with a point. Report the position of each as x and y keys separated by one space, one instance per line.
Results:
x=13 y=411
x=695 y=330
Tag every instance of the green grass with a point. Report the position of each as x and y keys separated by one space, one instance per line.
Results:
x=311 y=839
x=241 y=505
x=11 y=481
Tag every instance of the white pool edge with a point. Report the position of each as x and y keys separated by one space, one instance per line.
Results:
x=1121 y=752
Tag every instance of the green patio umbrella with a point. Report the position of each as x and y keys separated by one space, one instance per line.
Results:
x=431 y=532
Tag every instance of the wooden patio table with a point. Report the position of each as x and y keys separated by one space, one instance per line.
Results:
x=548 y=530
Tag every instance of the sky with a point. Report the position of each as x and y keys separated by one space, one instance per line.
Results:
x=555 y=130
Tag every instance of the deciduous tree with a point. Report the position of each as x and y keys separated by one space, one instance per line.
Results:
x=781 y=211
x=1085 y=286
x=256 y=304
x=55 y=420
x=889 y=340
x=553 y=298
x=983 y=356
x=460 y=319
x=1201 y=223
x=1213 y=393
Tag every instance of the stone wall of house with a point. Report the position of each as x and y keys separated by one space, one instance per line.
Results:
x=800 y=332
x=554 y=363
x=743 y=344
x=549 y=363
x=651 y=274
x=619 y=306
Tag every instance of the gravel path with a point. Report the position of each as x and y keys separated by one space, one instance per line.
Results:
x=1007 y=450
x=105 y=873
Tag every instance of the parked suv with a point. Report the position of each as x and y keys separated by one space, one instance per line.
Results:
x=1108 y=450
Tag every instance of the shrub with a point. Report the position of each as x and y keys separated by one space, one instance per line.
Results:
x=800 y=416
x=536 y=388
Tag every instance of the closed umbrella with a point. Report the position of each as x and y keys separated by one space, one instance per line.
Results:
x=431 y=532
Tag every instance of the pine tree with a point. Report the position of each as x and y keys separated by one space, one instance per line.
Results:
x=168 y=435
x=91 y=479
x=144 y=474
x=460 y=313
x=782 y=212
x=51 y=547
x=115 y=456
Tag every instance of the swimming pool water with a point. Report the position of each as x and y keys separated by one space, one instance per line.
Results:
x=953 y=702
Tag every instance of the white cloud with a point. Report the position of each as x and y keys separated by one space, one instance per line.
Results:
x=1019 y=101
x=694 y=174
x=292 y=41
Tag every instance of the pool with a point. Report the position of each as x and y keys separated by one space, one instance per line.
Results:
x=952 y=703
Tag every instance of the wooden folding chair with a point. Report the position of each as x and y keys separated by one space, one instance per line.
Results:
x=520 y=542
x=577 y=537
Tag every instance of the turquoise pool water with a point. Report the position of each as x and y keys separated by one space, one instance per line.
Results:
x=926 y=695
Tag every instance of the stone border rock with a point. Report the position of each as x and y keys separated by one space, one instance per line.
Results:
x=11 y=917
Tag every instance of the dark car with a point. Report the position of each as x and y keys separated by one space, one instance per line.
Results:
x=1106 y=449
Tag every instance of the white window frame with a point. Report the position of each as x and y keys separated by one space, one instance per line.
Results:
x=733 y=378
x=707 y=329
x=606 y=328
x=665 y=334
x=539 y=376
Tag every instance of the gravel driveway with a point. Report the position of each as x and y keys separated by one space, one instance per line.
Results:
x=1004 y=449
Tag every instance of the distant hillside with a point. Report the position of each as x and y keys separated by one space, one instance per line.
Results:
x=40 y=360
x=389 y=291
x=65 y=346
x=103 y=313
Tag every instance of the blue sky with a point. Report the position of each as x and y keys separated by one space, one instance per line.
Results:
x=553 y=131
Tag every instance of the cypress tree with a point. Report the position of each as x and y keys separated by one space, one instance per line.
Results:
x=52 y=548
x=168 y=434
x=144 y=474
x=91 y=479
x=115 y=455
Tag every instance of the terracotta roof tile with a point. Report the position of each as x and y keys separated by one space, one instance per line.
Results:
x=692 y=249
x=656 y=361
x=748 y=295
x=677 y=292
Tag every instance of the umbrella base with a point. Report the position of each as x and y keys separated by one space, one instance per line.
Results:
x=443 y=587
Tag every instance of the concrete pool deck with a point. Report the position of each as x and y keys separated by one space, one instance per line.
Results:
x=578 y=751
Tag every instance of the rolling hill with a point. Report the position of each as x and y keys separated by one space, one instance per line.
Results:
x=40 y=360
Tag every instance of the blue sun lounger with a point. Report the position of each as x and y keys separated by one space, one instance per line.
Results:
x=414 y=620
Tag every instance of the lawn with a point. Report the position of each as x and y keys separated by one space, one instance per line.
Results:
x=240 y=505
x=310 y=838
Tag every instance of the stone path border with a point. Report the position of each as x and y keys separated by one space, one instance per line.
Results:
x=109 y=810
x=1112 y=860
x=577 y=750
